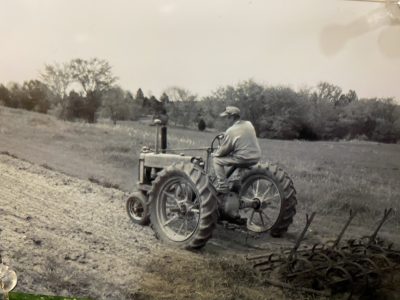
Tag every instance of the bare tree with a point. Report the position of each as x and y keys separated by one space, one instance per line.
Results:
x=327 y=92
x=182 y=105
x=176 y=94
x=93 y=75
x=116 y=104
x=58 y=79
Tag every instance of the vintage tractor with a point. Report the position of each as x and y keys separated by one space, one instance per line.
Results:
x=176 y=195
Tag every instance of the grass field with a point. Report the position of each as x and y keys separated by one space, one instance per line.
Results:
x=330 y=178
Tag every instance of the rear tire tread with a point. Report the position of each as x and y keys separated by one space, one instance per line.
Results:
x=288 y=207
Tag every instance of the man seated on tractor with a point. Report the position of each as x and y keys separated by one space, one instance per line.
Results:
x=239 y=147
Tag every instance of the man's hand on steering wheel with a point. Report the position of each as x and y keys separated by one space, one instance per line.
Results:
x=219 y=138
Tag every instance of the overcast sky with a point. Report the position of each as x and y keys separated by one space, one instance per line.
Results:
x=203 y=44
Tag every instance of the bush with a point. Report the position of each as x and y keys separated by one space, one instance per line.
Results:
x=201 y=125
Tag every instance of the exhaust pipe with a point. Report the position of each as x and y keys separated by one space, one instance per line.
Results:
x=158 y=124
x=163 y=139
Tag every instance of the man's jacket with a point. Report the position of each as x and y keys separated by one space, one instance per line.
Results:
x=240 y=141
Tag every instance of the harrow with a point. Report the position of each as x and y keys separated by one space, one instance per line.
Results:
x=333 y=267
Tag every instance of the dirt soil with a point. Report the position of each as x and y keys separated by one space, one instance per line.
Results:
x=67 y=236
x=61 y=234
x=71 y=237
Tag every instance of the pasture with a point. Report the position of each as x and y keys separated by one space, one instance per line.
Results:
x=330 y=178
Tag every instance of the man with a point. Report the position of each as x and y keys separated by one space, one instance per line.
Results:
x=239 y=147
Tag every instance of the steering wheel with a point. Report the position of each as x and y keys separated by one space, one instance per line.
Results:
x=217 y=141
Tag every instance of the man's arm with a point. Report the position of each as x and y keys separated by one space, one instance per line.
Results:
x=228 y=145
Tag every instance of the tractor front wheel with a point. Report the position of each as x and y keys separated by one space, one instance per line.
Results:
x=138 y=209
x=183 y=206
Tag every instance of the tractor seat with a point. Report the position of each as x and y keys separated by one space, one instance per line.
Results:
x=239 y=166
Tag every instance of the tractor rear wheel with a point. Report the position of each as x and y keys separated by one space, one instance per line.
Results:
x=273 y=198
x=183 y=206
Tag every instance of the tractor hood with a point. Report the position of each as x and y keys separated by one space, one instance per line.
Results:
x=163 y=160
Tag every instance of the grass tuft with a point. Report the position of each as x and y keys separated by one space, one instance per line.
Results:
x=104 y=182
x=46 y=166
x=9 y=154
x=181 y=277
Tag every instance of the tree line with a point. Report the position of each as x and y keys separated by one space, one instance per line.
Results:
x=86 y=89
x=324 y=112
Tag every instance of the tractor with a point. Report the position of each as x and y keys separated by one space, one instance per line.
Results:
x=176 y=195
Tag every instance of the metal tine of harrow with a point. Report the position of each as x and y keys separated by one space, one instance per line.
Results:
x=285 y=285
x=386 y=214
x=301 y=237
x=267 y=264
x=268 y=256
x=340 y=236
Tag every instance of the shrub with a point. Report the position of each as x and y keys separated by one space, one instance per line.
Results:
x=201 y=125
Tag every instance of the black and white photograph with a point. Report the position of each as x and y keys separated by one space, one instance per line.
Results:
x=187 y=149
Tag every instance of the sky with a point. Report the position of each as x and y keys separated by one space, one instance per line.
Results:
x=201 y=45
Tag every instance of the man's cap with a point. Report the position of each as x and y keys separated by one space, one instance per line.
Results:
x=230 y=111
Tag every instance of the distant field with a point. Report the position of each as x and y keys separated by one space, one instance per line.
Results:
x=330 y=177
